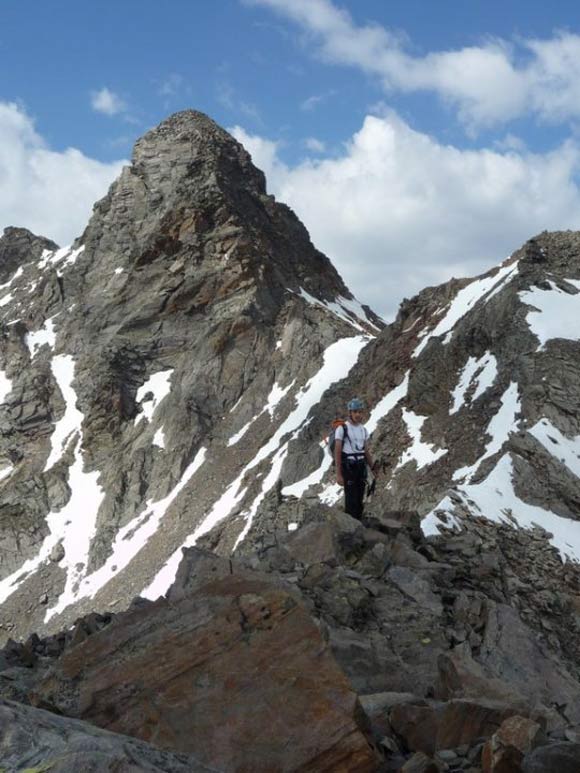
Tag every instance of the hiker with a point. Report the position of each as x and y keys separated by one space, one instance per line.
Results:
x=352 y=456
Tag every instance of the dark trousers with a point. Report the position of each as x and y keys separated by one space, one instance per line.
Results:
x=354 y=472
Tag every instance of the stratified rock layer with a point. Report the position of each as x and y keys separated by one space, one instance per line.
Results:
x=236 y=672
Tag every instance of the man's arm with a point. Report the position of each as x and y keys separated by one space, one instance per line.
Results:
x=338 y=461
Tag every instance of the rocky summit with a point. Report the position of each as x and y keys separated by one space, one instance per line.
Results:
x=179 y=587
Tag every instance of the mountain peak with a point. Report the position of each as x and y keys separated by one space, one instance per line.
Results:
x=190 y=142
x=19 y=245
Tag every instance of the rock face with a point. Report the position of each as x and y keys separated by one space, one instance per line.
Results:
x=133 y=363
x=233 y=671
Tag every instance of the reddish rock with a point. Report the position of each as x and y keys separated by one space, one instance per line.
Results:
x=431 y=727
x=417 y=725
x=237 y=672
x=463 y=721
x=505 y=750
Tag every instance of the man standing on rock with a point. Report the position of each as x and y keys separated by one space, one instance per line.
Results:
x=352 y=456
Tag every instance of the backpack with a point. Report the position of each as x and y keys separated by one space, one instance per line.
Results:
x=331 y=439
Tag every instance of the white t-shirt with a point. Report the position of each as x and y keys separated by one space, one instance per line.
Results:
x=356 y=438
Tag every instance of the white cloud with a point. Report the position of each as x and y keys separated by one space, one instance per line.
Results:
x=311 y=102
x=49 y=192
x=398 y=210
x=107 y=102
x=489 y=84
x=316 y=146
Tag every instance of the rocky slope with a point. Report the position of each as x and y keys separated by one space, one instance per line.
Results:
x=134 y=363
x=336 y=647
x=474 y=400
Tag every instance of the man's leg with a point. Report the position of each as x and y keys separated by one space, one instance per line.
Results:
x=353 y=489
x=361 y=483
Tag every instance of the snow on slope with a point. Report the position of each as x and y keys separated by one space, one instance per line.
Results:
x=466 y=299
x=5 y=386
x=338 y=359
x=38 y=338
x=348 y=310
x=496 y=499
x=480 y=372
x=12 y=278
x=419 y=452
x=63 y=370
x=555 y=313
x=158 y=385
x=73 y=526
x=275 y=397
x=499 y=429
x=131 y=539
x=566 y=450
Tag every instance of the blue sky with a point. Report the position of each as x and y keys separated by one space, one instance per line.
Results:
x=417 y=140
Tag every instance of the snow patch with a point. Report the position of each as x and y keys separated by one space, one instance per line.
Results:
x=133 y=537
x=9 y=282
x=495 y=499
x=63 y=371
x=6 y=471
x=222 y=508
x=500 y=428
x=482 y=372
x=348 y=310
x=5 y=386
x=387 y=403
x=74 y=525
x=38 y=338
x=555 y=313
x=421 y=453
x=159 y=385
x=64 y=254
x=274 y=398
x=566 y=450
x=276 y=395
x=239 y=435
x=466 y=299
x=159 y=438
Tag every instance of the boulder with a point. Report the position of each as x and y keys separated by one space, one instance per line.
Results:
x=236 y=672
x=505 y=750
x=561 y=757
x=35 y=740
x=420 y=763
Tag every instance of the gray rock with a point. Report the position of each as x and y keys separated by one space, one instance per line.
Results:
x=31 y=738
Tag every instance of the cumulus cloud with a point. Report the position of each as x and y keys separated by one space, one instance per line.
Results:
x=398 y=211
x=49 y=192
x=107 y=102
x=489 y=84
